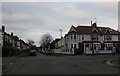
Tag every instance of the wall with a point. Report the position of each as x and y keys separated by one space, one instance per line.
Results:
x=61 y=42
x=1 y=38
x=114 y=37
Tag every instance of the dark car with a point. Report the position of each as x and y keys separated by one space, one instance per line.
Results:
x=32 y=53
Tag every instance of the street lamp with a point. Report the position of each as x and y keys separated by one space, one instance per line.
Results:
x=61 y=32
x=61 y=36
x=61 y=40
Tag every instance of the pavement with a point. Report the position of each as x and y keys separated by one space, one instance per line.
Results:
x=8 y=62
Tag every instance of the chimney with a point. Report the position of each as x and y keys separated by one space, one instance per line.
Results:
x=91 y=23
x=11 y=33
x=3 y=28
x=94 y=24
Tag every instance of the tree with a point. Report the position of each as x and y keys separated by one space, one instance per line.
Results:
x=30 y=42
x=45 y=41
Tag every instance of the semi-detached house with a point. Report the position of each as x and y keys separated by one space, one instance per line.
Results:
x=91 y=39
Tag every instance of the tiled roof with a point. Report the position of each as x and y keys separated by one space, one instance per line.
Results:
x=84 y=29
x=88 y=30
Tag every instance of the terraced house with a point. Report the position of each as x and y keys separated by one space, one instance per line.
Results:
x=91 y=40
x=12 y=45
x=1 y=41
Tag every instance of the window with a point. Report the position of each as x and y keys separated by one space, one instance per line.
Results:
x=68 y=50
x=82 y=37
x=74 y=36
x=97 y=46
x=67 y=37
x=119 y=37
x=109 y=46
x=87 y=45
x=74 y=46
x=66 y=45
x=94 y=37
x=107 y=37
x=71 y=37
x=71 y=45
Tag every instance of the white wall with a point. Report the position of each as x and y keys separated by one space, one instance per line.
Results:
x=1 y=38
x=114 y=37
x=87 y=37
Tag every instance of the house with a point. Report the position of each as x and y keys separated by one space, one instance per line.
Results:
x=91 y=40
x=57 y=45
x=12 y=45
x=1 y=40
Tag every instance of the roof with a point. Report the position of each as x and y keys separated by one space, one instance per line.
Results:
x=56 y=40
x=101 y=30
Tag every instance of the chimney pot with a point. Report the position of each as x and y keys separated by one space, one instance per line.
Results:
x=3 y=28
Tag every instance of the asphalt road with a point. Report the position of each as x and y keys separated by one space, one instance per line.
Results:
x=79 y=64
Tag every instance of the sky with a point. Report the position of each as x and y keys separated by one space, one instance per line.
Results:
x=30 y=20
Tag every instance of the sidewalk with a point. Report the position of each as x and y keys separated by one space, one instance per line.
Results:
x=7 y=62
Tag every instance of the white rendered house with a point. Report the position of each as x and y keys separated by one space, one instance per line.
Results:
x=91 y=39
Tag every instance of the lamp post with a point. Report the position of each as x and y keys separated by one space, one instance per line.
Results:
x=61 y=32
x=61 y=36
x=61 y=40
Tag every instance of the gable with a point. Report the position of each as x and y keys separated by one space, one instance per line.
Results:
x=72 y=29
x=95 y=31
x=107 y=31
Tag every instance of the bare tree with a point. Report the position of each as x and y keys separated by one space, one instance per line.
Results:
x=45 y=40
x=30 y=42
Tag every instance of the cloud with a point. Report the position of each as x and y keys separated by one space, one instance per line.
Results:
x=32 y=19
x=61 y=1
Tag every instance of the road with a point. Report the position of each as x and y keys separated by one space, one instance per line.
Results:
x=79 y=64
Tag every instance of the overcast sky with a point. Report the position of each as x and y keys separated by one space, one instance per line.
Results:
x=30 y=20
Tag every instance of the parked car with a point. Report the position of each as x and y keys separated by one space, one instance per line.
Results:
x=32 y=53
x=49 y=52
